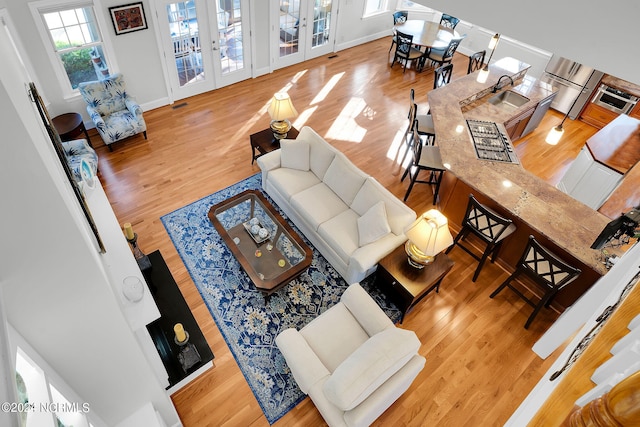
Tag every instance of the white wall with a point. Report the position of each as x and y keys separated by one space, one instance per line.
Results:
x=599 y=34
x=580 y=32
x=55 y=291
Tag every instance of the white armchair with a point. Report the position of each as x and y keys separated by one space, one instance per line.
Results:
x=351 y=360
x=115 y=113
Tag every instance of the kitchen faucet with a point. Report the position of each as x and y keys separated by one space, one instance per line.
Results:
x=497 y=86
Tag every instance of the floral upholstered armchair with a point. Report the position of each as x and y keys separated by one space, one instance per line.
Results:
x=115 y=114
x=76 y=151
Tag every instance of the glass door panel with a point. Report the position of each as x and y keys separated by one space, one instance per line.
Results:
x=232 y=62
x=188 y=62
x=206 y=44
x=183 y=24
x=304 y=30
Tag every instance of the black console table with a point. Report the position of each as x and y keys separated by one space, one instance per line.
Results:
x=173 y=309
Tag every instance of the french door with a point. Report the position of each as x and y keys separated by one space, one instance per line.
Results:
x=304 y=30
x=206 y=44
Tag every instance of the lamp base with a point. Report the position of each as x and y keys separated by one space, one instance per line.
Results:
x=415 y=257
x=280 y=128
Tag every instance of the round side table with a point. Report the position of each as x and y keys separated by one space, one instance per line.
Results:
x=69 y=126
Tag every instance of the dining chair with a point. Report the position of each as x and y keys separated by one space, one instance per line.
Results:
x=405 y=50
x=449 y=21
x=487 y=225
x=399 y=17
x=546 y=270
x=444 y=55
x=442 y=75
x=425 y=158
x=476 y=61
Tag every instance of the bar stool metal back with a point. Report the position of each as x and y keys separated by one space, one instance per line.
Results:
x=486 y=224
x=476 y=61
x=442 y=75
x=547 y=270
x=424 y=158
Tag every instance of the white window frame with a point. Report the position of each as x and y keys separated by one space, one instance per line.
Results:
x=382 y=8
x=38 y=8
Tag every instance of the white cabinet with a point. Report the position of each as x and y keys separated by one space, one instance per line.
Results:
x=589 y=181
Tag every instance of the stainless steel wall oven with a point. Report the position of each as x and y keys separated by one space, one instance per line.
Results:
x=614 y=99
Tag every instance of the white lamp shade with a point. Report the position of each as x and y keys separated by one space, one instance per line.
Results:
x=430 y=233
x=554 y=135
x=483 y=74
x=281 y=107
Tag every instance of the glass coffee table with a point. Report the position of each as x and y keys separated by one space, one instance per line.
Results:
x=266 y=246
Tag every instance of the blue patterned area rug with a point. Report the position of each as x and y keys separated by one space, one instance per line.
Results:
x=247 y=325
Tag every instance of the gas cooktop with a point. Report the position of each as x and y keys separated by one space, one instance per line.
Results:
x=490 y=143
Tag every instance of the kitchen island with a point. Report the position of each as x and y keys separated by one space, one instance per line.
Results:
x=605 y=166
x=558 y=221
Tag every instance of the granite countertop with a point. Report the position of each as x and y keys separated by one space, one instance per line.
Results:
x=563 y=220
x=623 y=85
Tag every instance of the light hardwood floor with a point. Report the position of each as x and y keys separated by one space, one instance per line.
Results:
x=479 y=360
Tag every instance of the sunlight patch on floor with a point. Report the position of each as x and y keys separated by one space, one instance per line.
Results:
x=344 y=127
x=303 y=118
x=327 y=88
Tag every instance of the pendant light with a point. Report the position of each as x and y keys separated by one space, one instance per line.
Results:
x=555 y=134
x=484 y=72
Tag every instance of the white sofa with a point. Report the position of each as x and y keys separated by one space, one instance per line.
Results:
x=351 y=360
x=346 y=214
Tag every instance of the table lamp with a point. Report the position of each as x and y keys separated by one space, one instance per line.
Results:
x=281 y=109
x=427 y=237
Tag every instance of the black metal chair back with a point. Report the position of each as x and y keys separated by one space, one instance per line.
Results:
x=486 y=224
x=449 y=21
x=546 y=269
x=476 y=61
x=442 y=75
x=400 y=17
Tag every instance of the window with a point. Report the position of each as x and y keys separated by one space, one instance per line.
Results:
x=374 y=7
x=79 y=53
x=409 y=5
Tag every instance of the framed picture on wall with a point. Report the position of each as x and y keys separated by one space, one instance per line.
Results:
x=128 y=18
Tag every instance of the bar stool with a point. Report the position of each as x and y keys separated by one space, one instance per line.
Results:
x=545 y=269
x=486 y=224
x=425 y=158
x=425 y=121
x=425 y=126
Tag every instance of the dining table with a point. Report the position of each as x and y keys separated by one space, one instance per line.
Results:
x=429 y=34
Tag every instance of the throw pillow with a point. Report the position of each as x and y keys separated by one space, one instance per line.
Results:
x=294 y=154
x=373 y=224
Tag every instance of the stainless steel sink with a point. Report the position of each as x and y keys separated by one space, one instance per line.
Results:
x=508 y=99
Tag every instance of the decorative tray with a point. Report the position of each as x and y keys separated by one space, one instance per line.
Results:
x=258 y=238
